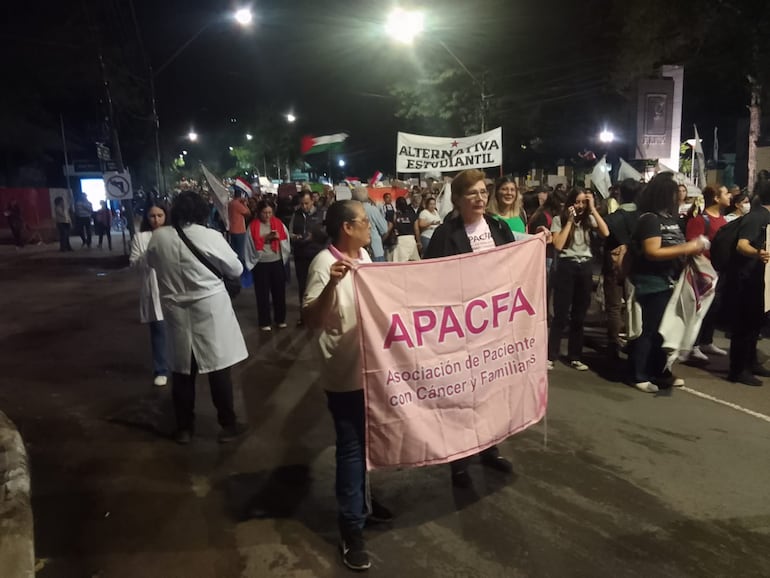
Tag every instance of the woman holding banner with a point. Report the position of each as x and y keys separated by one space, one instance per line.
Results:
x=472 y=230
x=330 y=307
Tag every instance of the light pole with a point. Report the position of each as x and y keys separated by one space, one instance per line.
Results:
x=244 y=18
x=404 y=26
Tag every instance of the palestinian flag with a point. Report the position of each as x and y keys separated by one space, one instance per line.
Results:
x=318 y=144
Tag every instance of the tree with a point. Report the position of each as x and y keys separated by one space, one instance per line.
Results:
x=446 y=102
x=726 y=41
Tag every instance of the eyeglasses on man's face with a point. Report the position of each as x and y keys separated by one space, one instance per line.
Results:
x=364 y=220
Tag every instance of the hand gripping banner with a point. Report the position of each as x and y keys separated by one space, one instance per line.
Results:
x=453 y=352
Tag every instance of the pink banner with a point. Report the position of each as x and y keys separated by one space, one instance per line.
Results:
x=453 y=353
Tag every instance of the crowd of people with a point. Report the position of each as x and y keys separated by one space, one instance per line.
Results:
x=638 y=242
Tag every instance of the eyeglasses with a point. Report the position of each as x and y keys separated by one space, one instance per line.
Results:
x=364 y=220
x=479 y=194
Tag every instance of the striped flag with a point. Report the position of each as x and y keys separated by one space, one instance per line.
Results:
x=317 y=144
x=376 y=178
x=243 y=185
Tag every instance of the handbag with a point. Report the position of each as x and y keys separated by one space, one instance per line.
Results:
x=232 y=284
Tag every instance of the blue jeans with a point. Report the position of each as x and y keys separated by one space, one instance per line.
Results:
x=348 y=412
x=158 y=341
x=647 y=360
x=378 y=259
x=238 y=242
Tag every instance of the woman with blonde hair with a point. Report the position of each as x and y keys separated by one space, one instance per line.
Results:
x=506 y=204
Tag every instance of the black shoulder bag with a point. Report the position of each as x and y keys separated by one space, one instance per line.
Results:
x=232 y=285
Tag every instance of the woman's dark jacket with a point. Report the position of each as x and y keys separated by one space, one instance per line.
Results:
x=450 y=238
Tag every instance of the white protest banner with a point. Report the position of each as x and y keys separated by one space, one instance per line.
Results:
x=118 y=186
x=453 y=352
x=416 y=153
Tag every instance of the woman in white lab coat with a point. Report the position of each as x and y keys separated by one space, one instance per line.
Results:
x=203 y=332
x=149 y=300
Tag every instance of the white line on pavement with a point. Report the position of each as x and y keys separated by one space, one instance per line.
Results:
x=750 y=412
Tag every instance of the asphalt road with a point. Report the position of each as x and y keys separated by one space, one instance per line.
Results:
x=617 y=483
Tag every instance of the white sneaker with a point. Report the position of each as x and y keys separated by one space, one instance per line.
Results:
x=266 y=328
x=578 y=365
x=712 y=349
x=683 y=357
x=646 y=387
x=697 y=353
x=549 y=365
x=160 y=380
x=282 y=326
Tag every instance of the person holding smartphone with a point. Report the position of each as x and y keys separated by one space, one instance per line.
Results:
x=573 y=279
x=268 y=250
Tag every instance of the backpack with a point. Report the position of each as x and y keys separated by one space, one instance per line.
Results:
x=621 y=258
x=723 y=246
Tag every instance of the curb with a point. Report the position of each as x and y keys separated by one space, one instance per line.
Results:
x=17 y=550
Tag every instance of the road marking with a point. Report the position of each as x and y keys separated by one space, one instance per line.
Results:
x=745 y=410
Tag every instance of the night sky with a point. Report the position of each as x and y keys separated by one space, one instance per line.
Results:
x=330 y=63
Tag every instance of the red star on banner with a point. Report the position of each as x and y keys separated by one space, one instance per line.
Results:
x=455 y=143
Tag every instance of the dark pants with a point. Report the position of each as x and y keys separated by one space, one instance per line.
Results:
x=101 y=231
x=158 y=341
x=706 y=335
x=747 y=297
x=571 y=298
x=183 y=394
x=301 y=267
x=270 y=281
x=348 y=413
x=64 y=236
x=614 y=291
x=83 y=228
x=647 y=360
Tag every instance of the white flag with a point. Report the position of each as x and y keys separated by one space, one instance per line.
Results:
x=444 y=201
x=600 y=177
x=220 y=195
x=700 y=161
x=626 y=171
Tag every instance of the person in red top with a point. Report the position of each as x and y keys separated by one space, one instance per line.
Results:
x=708 y=223
x=237 y=211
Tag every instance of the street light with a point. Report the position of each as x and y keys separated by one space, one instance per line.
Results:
x=341 y=163
x=290 y=118
x=193 y=136
x=249 y=136
x=606 y=136
x=244 y=16
x=184 y=153
x=405 y=25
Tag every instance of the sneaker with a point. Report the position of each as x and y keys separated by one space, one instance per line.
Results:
x=379 y=514
x=760 y=371
x=300 y=323
x=160 y=380
x=183 y=437
x=746 y=379
x=578 y=365
x=697 y=353
x=646 y=387
x=461 y=479
x=353 y=549
x=498 y=463
x=712 y=349
x=265 y=328
x=549 y=365
x=282 y=326
x=230 y=433
x=668 y=380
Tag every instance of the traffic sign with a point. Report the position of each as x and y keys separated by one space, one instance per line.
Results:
x=118 y=186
